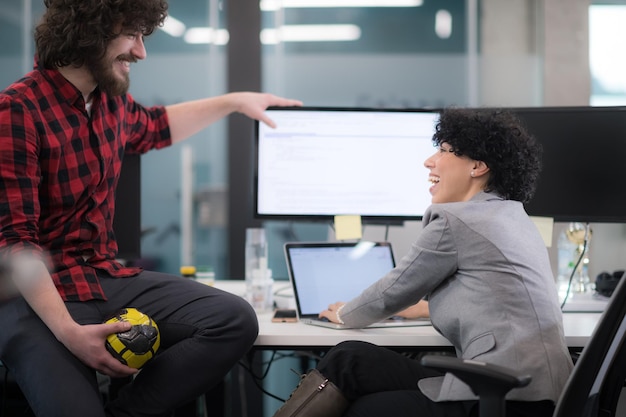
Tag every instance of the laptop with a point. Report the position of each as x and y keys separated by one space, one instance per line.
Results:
x=322 y=273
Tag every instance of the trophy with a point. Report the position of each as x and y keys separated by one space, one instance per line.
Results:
x=580 y=235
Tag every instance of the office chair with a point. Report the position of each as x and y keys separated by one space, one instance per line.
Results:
x=593 y=388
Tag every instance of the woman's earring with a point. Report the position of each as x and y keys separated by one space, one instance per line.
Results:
x=472 y=174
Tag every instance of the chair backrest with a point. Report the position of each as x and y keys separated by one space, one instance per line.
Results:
x=598 y=377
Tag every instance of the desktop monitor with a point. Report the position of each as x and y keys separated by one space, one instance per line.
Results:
x=321 y=162
x=583 y=178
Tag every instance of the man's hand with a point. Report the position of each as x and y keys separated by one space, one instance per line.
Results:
x=87 y=343
x=189 y=117
x=254 y=105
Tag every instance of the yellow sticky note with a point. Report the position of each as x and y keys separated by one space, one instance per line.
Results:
x=545 y=226
x=347 y=227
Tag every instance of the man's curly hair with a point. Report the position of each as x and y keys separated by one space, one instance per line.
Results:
x=499 y=139
x=75 y=32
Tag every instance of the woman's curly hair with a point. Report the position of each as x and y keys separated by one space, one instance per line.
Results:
x=75 y=32
x=498 y=138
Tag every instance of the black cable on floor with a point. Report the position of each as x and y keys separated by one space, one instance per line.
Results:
x=258 y=378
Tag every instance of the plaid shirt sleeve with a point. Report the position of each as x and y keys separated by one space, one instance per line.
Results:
x=19 y=177
x=59 y=168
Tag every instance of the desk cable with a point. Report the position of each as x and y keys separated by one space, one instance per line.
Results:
x=285 y=294
x=580 y=258
x=258 y=378
x=276 y=355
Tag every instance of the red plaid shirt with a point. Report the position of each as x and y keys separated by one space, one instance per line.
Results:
x=59 y=168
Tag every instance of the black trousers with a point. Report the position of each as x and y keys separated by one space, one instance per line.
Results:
x=204 y=332
x=381 y=382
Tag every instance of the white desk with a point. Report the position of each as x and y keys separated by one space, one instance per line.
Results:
x=297 y=336
x=577 y=326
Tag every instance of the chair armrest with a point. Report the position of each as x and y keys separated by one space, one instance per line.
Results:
x=483 y=378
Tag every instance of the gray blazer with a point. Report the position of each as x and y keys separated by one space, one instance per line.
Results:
x=486 y=271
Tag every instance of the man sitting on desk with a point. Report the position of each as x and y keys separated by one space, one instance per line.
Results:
x=486 y=271
x=64 y=130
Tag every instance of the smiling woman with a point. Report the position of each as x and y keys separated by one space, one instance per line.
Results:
x=454 y=177
x=482 y=286
x=498 y=139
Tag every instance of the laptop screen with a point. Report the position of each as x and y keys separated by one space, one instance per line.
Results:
x=324 y=273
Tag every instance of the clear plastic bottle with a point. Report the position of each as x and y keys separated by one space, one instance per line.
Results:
x=259 y=280
x=260 y=292
x=256 y=252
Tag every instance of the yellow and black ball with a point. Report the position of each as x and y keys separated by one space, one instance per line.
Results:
x=138 y=345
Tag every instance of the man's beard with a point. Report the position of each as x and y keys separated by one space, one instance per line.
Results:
x=107 y=80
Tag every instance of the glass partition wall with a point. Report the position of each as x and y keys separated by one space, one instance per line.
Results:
x=396 y=54
x=184 y=187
